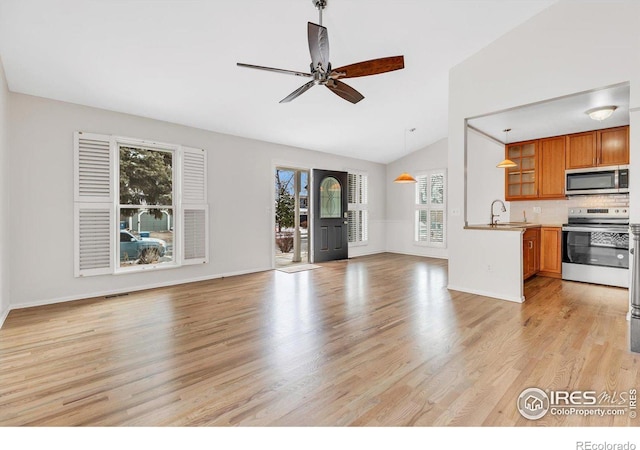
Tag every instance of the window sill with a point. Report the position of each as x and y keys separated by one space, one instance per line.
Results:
x=137 y=268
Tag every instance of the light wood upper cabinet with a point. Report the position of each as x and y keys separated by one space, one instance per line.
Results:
x=521 y=182
x=581 y=150
x=613 y=145
x=551 y=167
x=609 y=147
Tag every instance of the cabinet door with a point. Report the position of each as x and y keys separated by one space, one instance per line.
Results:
x=613 y=146
x=551 y=167
x=521 y=181
x=530 y=252
x=550 y=251
x=581 y=150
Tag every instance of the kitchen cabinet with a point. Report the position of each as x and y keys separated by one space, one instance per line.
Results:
x=521 y=182
x=551 y=162
x=540 y=169
x=551 y=252
x=530 y=252
x=608 y=147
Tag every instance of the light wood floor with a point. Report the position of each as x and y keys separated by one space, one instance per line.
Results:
x=371 y=341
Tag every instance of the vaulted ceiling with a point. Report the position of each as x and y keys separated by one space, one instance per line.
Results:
x=175 y=60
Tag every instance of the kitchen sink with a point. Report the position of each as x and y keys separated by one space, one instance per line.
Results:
x=511 y=224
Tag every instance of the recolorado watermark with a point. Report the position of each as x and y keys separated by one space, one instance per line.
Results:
x=588 y=445
x=534 y=403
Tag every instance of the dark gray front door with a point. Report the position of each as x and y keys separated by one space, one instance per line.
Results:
x=330 y=226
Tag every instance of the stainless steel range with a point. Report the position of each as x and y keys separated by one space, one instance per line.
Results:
x=595 y=246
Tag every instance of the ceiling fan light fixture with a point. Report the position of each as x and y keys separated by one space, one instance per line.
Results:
x=601 y=113
x=405 y=178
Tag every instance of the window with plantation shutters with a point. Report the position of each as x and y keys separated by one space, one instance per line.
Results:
x=430 y=215
x=358 y=214
x=139 y=205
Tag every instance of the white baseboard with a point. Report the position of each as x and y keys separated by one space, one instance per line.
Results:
x=3 y=316
x=133 y=289
x=417 y=254
x=485 y=294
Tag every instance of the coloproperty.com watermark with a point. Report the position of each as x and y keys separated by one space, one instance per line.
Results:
x=534 y=403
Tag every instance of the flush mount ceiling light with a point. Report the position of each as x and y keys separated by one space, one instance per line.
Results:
x=601 y=113
x=506 y=163
x=404 y=176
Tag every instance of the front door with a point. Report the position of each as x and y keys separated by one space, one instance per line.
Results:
x=330 y=226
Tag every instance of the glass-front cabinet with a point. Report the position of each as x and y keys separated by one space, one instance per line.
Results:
x=521 y=182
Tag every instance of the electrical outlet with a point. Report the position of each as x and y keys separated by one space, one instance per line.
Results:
x=455 y=212
x=537 y=209
x=489 y=268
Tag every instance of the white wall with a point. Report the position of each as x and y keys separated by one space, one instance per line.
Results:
x=568 y=48
x=4 y=202
x=485 y=182
x=240 y=196
x=401 y=199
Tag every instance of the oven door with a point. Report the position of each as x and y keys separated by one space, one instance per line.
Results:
x=606 y=246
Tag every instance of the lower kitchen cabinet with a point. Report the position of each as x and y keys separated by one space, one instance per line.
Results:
x=530 y=252
x=551 y=252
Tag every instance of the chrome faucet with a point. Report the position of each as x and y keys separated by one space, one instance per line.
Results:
x=493 y=216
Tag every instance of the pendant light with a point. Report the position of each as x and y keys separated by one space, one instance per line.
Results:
x=404 y=177
x=506 y=163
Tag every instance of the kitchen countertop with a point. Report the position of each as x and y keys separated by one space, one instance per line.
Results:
x=510 y=226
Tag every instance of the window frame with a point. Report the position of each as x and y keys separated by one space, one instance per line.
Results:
x=359 y=207
x=429 y=207
x=175 y=197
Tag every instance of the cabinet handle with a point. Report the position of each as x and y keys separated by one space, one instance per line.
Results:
x=530 y=244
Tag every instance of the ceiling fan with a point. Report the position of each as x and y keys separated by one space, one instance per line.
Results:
x=321 y=70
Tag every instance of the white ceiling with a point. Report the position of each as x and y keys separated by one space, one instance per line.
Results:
x=556 y=117
x=175 y=60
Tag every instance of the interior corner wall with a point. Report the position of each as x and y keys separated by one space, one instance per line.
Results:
x=556 y=53
x=4 y=202
x=240 y=184
x=401 y=200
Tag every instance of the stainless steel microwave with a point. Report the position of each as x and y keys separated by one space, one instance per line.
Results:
x=597 y=180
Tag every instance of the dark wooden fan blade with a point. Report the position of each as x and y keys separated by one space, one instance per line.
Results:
x=318 y=46
x=272 y=69
x=345 y=91
x=301 y=90
x=371 y=67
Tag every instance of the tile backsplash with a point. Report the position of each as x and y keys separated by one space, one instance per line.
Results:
x=554 y=212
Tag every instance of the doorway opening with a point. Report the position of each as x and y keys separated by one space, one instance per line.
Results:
x=291 y=217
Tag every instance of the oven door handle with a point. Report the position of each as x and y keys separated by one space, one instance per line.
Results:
x=597 y=229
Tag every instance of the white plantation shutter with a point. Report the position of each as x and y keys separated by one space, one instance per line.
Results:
x=358 y=214
x=195 y=212
x=93 y=212
x=430 y=221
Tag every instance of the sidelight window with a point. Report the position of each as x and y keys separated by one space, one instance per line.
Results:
x=430 y=214
x=358 y=213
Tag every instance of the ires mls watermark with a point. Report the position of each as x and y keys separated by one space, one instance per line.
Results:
x=534 y=403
